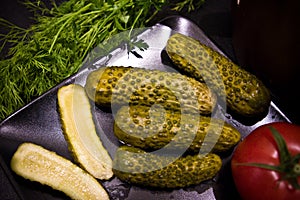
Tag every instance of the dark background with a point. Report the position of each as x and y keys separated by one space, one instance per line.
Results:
x=217 y=19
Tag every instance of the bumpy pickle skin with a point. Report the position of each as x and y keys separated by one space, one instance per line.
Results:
x=137 y=167
x=245 y=94
x=152 y=129
x=80 y=132
x=118 y=86
x=38 y=164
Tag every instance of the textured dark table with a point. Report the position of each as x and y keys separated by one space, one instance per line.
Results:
x=214 y=18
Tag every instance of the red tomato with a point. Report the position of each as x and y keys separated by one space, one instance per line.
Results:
x=255 y=183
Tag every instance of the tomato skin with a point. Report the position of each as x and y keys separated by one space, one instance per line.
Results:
x=254 y=183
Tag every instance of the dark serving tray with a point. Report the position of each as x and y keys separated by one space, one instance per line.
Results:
x=39 y=122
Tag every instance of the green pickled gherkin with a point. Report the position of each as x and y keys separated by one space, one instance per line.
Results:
x=118 y=86
x=242 y=91
x=144 y=169
x=152 y=128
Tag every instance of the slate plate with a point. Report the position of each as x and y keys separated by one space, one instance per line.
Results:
x=38 y=122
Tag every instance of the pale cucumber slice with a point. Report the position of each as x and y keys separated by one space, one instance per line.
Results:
x=80 y=132
x=38 y=164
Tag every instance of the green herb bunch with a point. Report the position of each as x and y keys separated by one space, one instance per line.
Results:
x=190 y=4
x=54 y=47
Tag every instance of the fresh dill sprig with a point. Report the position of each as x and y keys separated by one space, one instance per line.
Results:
x=189 y=4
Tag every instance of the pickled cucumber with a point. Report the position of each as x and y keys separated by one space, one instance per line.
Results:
x=153 y=128
x=244 y=93
x=117 y=86
x=80 y=132
x=38 y=164
x=137 y=167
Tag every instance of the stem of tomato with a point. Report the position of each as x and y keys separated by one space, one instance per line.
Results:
x=289 y=166
x=297 y=169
